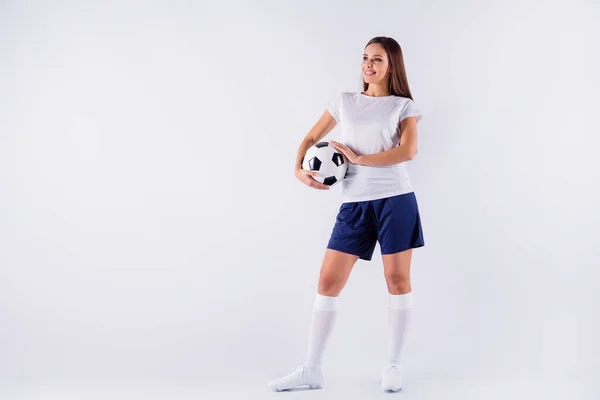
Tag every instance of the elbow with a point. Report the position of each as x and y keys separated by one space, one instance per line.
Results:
x=412 y=153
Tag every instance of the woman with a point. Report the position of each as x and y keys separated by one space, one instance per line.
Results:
x=379 y=133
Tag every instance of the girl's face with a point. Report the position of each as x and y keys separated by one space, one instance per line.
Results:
x=375 y=64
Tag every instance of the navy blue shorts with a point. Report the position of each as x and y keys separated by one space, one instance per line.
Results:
x=393 y=221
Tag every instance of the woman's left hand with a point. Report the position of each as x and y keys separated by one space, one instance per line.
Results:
x=345 y=150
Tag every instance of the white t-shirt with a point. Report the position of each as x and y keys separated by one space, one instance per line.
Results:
x=371 y=125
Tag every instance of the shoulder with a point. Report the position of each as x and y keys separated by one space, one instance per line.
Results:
x=404 y=101
x=347 y=95
x=408 y=108
x=342 y=97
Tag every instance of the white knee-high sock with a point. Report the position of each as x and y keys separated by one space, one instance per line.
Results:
x=399 y=317
x=323 y=319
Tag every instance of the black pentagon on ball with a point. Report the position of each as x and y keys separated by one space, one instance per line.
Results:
x=321 y=144
x=337 y=159
x=329 y=181
x=314 y=164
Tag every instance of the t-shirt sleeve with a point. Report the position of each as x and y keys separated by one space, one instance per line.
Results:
x=410 y=109
x=334 y=107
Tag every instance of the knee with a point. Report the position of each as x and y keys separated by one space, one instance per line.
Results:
x=398 y=283
x=329 y=286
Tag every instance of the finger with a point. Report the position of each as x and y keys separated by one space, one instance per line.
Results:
x=315 y=182
x=322 y=186
x=318 y=185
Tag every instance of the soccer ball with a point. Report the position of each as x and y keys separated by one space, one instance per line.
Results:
x=330 y=163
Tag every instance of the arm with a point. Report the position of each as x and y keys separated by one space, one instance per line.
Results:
x=323 y=126
x=405 y=151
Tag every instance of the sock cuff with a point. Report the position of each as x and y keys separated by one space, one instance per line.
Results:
x=325 y=303
x=401 y=301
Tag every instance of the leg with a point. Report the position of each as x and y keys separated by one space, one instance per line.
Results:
x=399 y=229
x=335 y=271
x=334 y=274
x=397 y=276
x=396 y=269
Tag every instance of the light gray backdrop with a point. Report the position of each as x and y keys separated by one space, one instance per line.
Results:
x=155 y=244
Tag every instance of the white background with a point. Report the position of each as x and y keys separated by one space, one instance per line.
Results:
x=155 y=244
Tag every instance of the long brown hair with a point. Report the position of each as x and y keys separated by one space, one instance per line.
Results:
x=398 y=80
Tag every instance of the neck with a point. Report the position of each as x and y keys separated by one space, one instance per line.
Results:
x=377 y=90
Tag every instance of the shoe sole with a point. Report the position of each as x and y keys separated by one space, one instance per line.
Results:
x=309 y=386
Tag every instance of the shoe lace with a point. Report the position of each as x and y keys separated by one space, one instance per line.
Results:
x=390 y=367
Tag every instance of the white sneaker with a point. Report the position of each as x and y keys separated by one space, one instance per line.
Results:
x=391 y=378
x=301 y=376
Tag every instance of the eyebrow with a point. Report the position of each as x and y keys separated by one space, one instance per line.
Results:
x=374 y=55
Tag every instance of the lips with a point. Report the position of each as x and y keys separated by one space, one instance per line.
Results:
x=369 y=73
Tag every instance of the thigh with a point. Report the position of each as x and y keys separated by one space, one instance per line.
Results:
x=396 y=269
x=397 y=266
x=355 y=230
x=335 y=271
x=399 y=224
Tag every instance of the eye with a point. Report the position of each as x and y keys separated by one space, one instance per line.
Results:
x=378 y=59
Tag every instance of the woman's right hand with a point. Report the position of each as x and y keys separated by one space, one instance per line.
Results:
x=306 y=177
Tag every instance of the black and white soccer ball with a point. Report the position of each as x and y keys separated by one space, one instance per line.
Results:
x=327 y=161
